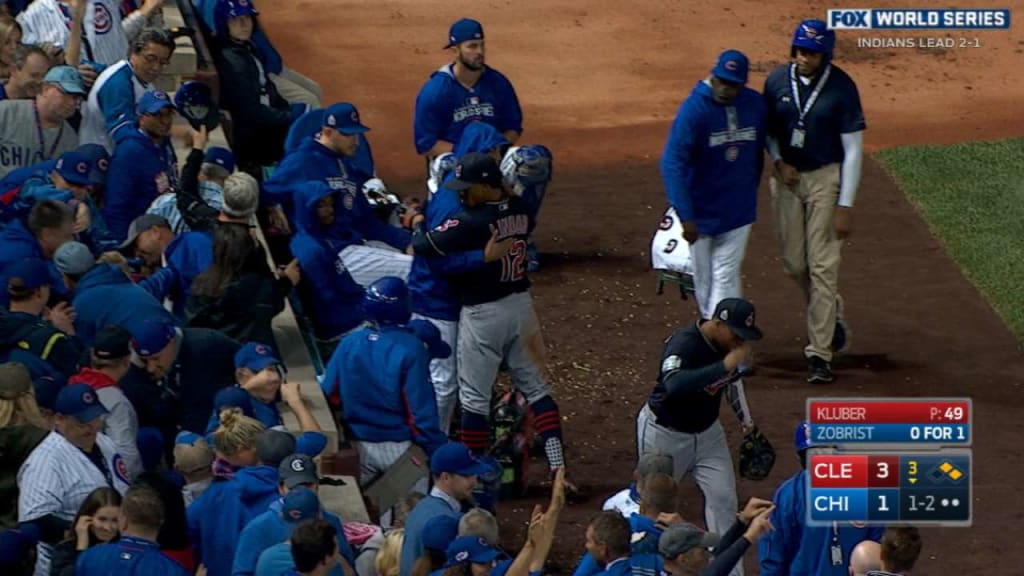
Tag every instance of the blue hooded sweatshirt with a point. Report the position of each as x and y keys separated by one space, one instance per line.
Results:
x=432 y=295
x=140 y=170
x=213 y=530
x=326 y=287
x=17 y=243
x=713 y=158
x=795 y=549
x=269 y=529
x=444 y=107
x=105 y=295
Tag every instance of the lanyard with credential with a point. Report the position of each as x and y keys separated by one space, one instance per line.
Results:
x=797 y=139
x=42 y=137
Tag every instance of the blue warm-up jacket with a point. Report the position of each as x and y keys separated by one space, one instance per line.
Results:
x=432 y=294
x=140 y=170
x=712 y=162
x=217 y=518
x=128 y=555
x=106 y=295
x=795 y=549
x=383 y=376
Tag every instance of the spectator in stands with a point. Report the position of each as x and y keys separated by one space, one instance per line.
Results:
x=201 y=187
x=28 y=68
x=901 y=547
x=607 y=542
x=32 y=131
x=260 y=117
x=22 y=428
x=192 y=459
x=173 y=536
x=109 y=114
x=137 y=551
x=48 y=225
x=379 y=556
x=438 y=533
x=95 y=523
x=110 y=359
x=143 y=166
x=314 y=548
x=254 y=488
x=455 y=471
x=104 y=42
x=94 y=154
x=184 y=369
x=627 y=501
x=240 y=302
x=18 y=547
x=73 y=460
x=47 y=347
x=866 y=556
x=10 y=39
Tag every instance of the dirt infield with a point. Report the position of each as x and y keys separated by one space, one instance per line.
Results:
x=600 y=84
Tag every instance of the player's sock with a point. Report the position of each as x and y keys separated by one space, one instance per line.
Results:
x=476 y=431
x=548 y=423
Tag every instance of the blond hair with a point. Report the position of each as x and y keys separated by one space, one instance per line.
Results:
x=21 y=411
x=386 y=563
x=236 y=432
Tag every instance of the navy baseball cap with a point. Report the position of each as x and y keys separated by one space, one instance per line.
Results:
x=99 y=161
x=344 y=118
x=255 y=357
x=112 y=341
x=74 y=167
x=67 y=79
x=47 y=388
x=27 y=274
x=80 y=401
x=738 y=315
x=310 y=443
x=439 y=532
x=152 y=336
x=431 y=336
x=455 y=458
x=153 y=101
x=732 y=66
x=233 y=396
x=471 y=549
x=300 y=504
x=476 y=168
x=464 y=30
x=221 y=157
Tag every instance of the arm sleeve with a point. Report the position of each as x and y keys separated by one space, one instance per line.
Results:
x=511 y=112
x=429 y=122
x=729 y=553
x=776 y=548
x=247 y=554
x=117 y=103
x=242 y=92
x=421 y=404
x=119 y=428
x=40 y=189
x=677 y=162
x=199 y=215
x=682 y=381
x=459 y=262
x=51 y=528
x=376 y=229
x=443 y=240
x=587 y=566
x=853 y=154
x=160 y=283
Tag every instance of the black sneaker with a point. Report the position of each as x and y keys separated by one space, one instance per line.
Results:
x=820 y=371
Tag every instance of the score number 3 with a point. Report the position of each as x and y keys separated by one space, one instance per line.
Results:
x=513 y=264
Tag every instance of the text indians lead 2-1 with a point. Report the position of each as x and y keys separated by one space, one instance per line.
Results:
x=897 y=421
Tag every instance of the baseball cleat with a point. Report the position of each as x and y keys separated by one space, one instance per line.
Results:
x=819 y=371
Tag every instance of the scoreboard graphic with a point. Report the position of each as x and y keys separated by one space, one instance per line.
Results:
x=881 y=461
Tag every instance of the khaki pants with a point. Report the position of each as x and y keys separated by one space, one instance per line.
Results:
x=810 y=249
x=296 y=88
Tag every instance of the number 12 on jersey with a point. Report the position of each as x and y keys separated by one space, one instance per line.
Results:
x=513 y=264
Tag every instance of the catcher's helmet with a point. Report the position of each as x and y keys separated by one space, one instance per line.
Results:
x=387 y=301
x=194 y=100
x=815 y=36
x=802 y=437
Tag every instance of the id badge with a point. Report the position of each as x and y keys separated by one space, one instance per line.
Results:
x=837 y=555
x=797 y=139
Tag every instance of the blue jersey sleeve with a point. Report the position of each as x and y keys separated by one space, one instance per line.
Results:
x=373 y=228
x=587 y=566
x=459 y=262
x=511 y=113
x=677 y=159
x=37 y=188
x=421 y=404
x=116 y=99
x=430 y=115
x=778 y=548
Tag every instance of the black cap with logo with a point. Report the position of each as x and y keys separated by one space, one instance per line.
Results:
x=738 y=315
x=476 y=168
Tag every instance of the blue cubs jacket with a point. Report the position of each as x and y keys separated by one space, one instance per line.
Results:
x=128 y=555
x=713 y=158
x=187 y=256
x=140 y=170
x=106 y=295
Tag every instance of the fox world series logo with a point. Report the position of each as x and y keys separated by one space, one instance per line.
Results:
x=929 y=19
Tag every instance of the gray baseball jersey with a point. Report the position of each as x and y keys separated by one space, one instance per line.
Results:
x=106 y=34
x=56 y=478
x=24 y=142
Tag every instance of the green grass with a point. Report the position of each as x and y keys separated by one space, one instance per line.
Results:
x=972 y=196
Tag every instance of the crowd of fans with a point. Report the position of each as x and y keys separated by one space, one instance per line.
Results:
x=140 y=379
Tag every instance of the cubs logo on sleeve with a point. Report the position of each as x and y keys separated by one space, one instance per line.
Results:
x=102 y=19
x=120 y=469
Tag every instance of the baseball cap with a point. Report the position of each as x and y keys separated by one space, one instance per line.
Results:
x=297 y=470
x=732 y=66
x=74 y=167
x=439 y=532
x=153 y=101
x=683 y=537
x=140 y=225
x=344 y=118
x=273 y=446
x=300 y=504
x=46 y=389
x=152 y=336
x=654 y=463
x=73 y=258
x=16 y=543
x=463 y=30
x=239 y=8
x=112 y=341
x=470 y=549
x=27 y=274
x=221 y=157
x=241 y=196
x=191 y=452
x=15 y=380
x=67 y=78
x=255 y=357
x=431 y=336
x=476 y=168
x=233 y=396
x=80 y=401
x=738 y=315
x=311 y=443
x=99 y=161
x=455 y=458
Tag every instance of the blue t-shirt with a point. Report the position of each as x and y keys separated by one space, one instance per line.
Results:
x=835 y=111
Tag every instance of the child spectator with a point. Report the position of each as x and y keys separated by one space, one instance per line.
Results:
x=22 y=428
x=10 y=39
x=173 y=536
x=192 y=459
x=96 y=523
